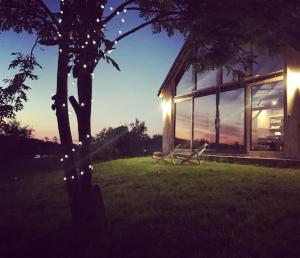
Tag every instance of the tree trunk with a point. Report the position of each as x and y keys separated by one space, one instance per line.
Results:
x=91 y=205
x=62 y=115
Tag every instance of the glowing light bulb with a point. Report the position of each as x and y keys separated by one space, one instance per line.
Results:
x=84 y=66
x=94 y=42
x=87 y=136
x=80 y=143
x=62 y=159
x=61 y=12
x=102 y=6
x=120 y=32
x=82 y=104
x=64 y=105
x=122 y=20
x=73 y=150
x=65 y=179
x=90 y=166
x=88 y=36
x=86 y=42
x=69 y=74
x=118 y=13
x=72 y=177
x=59 y=20
x=82 y=172
x=82 y=46
x=125 y=10
x=97 y=20
x=66 y=156
x=116 y=42
x=111 y=8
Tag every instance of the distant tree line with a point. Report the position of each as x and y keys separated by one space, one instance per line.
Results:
x=17 y=143
x=125 y=141
x=131 y=140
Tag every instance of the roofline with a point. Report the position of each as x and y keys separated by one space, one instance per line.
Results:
x=171 y=71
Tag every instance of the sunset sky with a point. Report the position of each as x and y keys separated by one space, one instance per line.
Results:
x=119 y=97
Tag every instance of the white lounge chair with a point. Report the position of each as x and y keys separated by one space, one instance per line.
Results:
x=197 y=152
x=161 y=156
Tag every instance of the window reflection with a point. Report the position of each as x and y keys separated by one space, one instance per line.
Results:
x=204 y=121
x=183 y=132
x=265 y=63
x=267 y=117
x=232 y=120
x=186 y=83
x=206 y=79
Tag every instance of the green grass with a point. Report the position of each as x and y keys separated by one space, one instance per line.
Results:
x=160 y=210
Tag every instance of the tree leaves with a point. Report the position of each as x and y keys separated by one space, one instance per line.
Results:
x=113 y=62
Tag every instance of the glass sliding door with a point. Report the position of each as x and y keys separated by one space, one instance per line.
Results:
x=183 y=124
x=267 y=117
x=204 y=121
x=232 y=120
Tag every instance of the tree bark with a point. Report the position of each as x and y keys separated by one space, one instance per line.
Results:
x=62 y=115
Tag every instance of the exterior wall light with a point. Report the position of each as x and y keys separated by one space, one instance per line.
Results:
x=166 y=107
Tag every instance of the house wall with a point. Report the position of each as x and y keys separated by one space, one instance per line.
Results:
x=292 y=121
x=168 y=118
x=291 y=111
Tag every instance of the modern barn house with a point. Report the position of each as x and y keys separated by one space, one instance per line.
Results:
x=256 y=117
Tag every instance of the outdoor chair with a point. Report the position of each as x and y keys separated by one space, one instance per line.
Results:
x=161 y=156
x=197 y=152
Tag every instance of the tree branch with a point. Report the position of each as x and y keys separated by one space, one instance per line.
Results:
x=118 y=9
x=139 y=27
x=49 y=13
x=75 y=105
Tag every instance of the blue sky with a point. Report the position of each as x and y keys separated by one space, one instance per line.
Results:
x=118 y=97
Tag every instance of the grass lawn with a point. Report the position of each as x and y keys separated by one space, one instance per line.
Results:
x=160 y=210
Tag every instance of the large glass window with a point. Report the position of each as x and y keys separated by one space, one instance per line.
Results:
x=206 y=79
x=268 y=117
x=183 y=124
x=229 y=75
x=265 y=63
x=232 y=120
x=204 y=121
x=186 y=82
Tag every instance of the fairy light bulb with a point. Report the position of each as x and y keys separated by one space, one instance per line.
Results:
x=82 y=46
x=82 y=172
x=84 y=66
x=82 y=104
x=72 y=177
x=65 y=179
x=86 y=42
x=88 y=36
x=111 y=8
x=125 y=10
x=90 y=166
x=80 y=143
x=102 y=6
x=94 y=42
x=64 y=105
x=120 y=32
x=87 y=136
x=73 y=149
x=66 y=156
x=61 y=159
x=61 y=12
x=122 y=20
x=118 y=13
x=59 y=20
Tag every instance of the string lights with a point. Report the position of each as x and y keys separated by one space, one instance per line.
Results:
x=87 y=42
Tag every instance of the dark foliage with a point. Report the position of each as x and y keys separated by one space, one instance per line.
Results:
x=125 y=141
